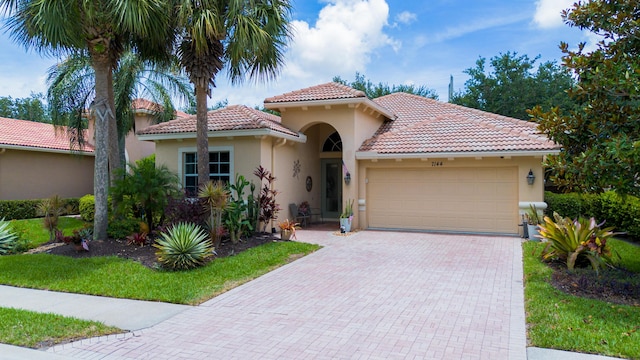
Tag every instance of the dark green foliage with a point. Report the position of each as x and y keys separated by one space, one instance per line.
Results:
x=28 y=209
x=513 y=87
x=87 y=207
x=621 y=212
x=381 y=89
x=600 y=143
x=121 y=228
x=145 y=190
x=31 y=108
x=184 y=246
x=235 y=215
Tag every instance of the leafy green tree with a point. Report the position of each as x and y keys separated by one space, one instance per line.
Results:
x=31 y=108
x=71 y=91
x=246 y=36
x=381 y=89
x=601 y=139
x=101 y=29
x=514 y=85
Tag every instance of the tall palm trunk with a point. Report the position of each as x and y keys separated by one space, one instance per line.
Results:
x=202 y=139
x=103 y=116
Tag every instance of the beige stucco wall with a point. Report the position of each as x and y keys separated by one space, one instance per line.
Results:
x=38 y=175
x=526 y=193
x=136 y=149
x=354 y=125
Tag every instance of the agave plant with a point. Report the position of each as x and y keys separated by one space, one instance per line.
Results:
x=184 y=246
x=572 y=241
x=7 y=238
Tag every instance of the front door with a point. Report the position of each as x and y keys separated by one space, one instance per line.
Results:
x=331 y=188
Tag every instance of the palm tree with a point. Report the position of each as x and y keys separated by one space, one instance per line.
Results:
x=246 y=36
x=71 y=92
x=100 y=29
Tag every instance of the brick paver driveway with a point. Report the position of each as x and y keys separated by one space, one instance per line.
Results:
x=372 y=295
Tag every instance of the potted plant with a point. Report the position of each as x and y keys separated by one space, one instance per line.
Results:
x=533 y=221
x=288 y=229
x=346 y=216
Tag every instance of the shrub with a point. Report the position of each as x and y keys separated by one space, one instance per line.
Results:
x=8 y=238
x=184 y=246
x=146 y=187
x=184 y=209
x=51 y=209
x=564 y=204
x=121 y=228
x=27 y=209
x=87 y=207
x=215 y=198
x=267 y=206
x=573 y=242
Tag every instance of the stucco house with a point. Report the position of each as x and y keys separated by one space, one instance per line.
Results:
x=37 y=161
x=408 y=162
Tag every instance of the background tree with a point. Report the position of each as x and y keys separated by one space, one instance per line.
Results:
x=246 y=36
x=601 y=139
x=31 y=108
x=71 y=92
x=515 y=85
x=101 y=29
x=381 y=89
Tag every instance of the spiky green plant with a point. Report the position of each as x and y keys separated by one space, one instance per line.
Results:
x=572 y=241
x=7 y=237
x=216 y=197
x=184 y=246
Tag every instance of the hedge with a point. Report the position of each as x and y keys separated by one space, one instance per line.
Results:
x=621 y=212
x=26 y=209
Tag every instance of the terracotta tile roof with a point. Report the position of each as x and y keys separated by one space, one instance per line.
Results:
x=234 y=117
x=430 y=126
x=328 y=91
x=29 y=134
x=144 y=104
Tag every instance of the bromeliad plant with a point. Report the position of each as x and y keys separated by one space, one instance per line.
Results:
x=576 y=241
x=184 y=246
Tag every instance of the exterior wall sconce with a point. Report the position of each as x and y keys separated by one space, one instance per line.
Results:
x=347 y=178
x=531 y=178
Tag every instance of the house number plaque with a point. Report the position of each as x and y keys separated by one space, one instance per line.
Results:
x=436 y=163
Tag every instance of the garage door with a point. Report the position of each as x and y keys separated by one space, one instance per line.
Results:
x=449 y=199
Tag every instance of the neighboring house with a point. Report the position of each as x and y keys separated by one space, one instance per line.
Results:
x=37 y=161
x=408 y=162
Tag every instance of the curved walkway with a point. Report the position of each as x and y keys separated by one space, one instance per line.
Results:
x=371 y=295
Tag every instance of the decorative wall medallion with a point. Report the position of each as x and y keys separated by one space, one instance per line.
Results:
x=296 y=168
x=309 y=183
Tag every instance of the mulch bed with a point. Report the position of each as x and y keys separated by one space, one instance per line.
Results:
x=146 y=255
x=617 y=286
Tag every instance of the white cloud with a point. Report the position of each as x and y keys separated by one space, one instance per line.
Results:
x=406 y=17
x=343 y=39
x=548 y=12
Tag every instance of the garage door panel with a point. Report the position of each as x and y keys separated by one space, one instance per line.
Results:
x=452 y=199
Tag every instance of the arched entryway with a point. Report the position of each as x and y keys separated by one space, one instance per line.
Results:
x=331 y=176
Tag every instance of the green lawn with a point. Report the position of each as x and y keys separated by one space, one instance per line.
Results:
x=36 y=330
x=35 y=234
x=561 y=321
x=115 y=277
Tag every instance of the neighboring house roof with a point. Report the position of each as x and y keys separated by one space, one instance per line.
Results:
x=232 y=120
x=325 y=94
x=35 y=136
x=426 y=127
x=150 y=107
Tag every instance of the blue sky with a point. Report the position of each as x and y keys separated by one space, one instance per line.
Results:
x=390 y=41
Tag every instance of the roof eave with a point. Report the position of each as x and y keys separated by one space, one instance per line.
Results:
x=301 y=138
x=372 y=155
x=46 y=150
x=331 y=102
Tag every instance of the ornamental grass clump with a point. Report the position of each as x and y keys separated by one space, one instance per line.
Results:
x=184 y=246
x=576 y=242
x=8 y=238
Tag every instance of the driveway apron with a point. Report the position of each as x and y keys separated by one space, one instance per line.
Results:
x=371 y=295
